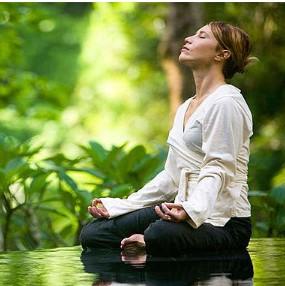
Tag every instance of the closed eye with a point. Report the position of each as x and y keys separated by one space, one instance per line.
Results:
x=202 y=34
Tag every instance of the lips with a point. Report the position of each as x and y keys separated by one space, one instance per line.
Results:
x=184 y=49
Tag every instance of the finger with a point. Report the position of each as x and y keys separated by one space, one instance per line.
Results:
x=94 y=212
x=91 y=211
x=125 y=241
x=159 y=212
x=102 y=212
x=168 y=214
x=97 y=211
x=165 y=209
x=173 y=213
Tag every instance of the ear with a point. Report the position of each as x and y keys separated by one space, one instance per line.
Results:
x=222 y=55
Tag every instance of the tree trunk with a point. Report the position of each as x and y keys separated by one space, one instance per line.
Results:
x=183 y=19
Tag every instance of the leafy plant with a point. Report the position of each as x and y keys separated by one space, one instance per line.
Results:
x=72 y=198
x=269 y=211
x=119 y=172
x=20 y=182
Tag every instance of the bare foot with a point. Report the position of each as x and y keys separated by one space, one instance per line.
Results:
x=134 y=240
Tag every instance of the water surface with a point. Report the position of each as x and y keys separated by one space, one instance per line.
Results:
x=262 y=264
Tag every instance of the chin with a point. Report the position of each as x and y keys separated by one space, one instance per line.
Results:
x=184 y=60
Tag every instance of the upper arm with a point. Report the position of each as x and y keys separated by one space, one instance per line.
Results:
x=222 y=137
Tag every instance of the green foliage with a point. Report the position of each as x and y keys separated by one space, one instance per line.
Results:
x=35 y=85
x=269 y=211
x=119 y=172
x=17 y=174
x=43 y=203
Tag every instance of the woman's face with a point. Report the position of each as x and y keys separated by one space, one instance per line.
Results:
x=199 y=49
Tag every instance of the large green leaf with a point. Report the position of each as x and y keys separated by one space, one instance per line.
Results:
x=147 y=168
x=67 y=179
x=97 y=152
x=132 y=158
x=115 y=154
x=61 y=160
x=90 y=171
x=37 y=187
x=27 y=150
x=82 y=196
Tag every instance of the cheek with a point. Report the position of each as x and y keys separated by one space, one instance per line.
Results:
x=205 y=50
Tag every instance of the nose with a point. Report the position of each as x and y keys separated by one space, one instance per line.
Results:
x=188 y=40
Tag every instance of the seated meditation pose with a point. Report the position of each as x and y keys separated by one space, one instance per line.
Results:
x=199 y=201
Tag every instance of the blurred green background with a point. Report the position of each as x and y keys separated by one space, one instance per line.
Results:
x=87 y=96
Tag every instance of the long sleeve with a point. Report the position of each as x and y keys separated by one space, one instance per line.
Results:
x=223 y=133
x=161 y=188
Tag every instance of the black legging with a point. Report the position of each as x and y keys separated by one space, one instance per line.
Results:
x=165 y=237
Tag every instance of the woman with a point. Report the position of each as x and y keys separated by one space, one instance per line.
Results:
x=205 y=172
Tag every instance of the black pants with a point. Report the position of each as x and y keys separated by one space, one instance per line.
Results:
x=166 y=237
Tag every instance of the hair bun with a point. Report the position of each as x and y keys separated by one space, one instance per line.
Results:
x=251 y=60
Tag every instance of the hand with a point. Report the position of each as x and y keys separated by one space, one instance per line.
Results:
x=97 y=209
x=172 y=212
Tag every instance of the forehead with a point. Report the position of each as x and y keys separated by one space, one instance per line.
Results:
x=206 y=29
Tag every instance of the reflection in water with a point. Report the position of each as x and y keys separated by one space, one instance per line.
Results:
x=62 y=267
x=47 y=267
x=233 y=268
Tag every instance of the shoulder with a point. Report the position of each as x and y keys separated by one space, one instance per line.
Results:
x=230 y=100
x=228 y=108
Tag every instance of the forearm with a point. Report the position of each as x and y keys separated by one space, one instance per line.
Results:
x=159 y=189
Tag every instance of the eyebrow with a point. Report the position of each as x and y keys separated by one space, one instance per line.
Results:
x=201 y=31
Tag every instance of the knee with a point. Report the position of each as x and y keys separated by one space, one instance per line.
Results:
x=153 y=232
x=88 y=234
x=83 y=235
x=156 y=237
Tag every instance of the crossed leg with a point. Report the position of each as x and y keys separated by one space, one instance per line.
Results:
x=144 y=228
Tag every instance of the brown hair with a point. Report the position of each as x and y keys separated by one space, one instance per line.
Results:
x=235 y=40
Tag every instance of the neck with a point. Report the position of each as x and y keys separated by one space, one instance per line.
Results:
x=207 y=81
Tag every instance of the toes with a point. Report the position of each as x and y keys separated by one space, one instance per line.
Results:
x=135 y=239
